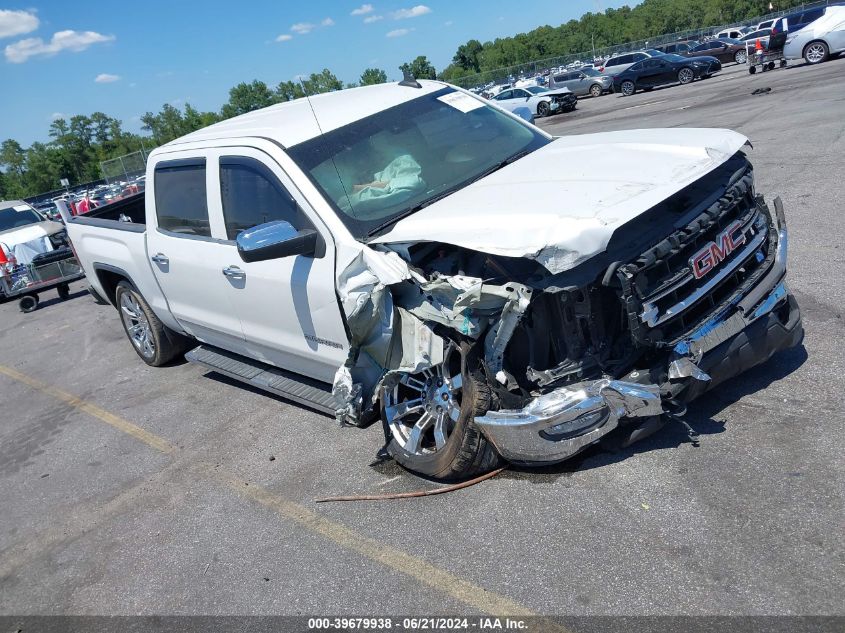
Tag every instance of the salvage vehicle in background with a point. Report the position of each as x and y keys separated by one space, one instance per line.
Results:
x=541 y=101
x=410 y=253
x=582 y=82
x=818 y=40
x=664 y=70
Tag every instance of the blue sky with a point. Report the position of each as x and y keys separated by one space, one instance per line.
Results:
x=126 y=58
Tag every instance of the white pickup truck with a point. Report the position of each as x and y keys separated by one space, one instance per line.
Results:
x=412 y=253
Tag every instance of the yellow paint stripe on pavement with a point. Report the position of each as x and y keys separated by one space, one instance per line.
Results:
x=392 y=558
x=156 y=442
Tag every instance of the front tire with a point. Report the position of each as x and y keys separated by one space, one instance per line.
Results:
x=543 y=109
x=153 y=341
x=816 y=52
x=430 y=418
x=628 y=88
x=685 y=76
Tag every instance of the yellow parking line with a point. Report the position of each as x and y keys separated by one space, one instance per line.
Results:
x=119 y=423
x=397 y=560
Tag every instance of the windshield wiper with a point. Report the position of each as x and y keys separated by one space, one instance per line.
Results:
x=440 y=196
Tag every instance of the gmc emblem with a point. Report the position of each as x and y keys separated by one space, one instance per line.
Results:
x=715 y=252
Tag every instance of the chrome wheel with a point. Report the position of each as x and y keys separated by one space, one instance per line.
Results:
x=741 y=57
x=628 y=88
x=422 y=409
x=595 y=90
x=815 y=53
x=137 y=325
x=685 y=75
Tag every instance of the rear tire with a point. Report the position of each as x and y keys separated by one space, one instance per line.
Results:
x=153 y=341
x=464 y=452
x=741 y=57
x=816 y=52
x=28 y=303
x=596 y=90
x=628 y=88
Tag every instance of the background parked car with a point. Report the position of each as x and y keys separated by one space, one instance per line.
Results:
x=679 y=48
x=616 y=64
x=725 y=50
x=762 y=35
x=733 y=32
x=820 y=39
x=541 y=101
x=663 y=70
x=583 y=82
x=798 y=20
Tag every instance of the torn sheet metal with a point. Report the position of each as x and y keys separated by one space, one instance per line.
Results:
x=519 y=297
x=684 y=368
x=561 y=204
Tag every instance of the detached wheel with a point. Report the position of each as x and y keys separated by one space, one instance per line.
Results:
x=628 y=88
x=154 y=342
x=686 y=75
x=430 y=417
x=596 y=90
x=64 y=291
x=543 y=108
x=28 y=303
x=741 y=57
x=816 y=52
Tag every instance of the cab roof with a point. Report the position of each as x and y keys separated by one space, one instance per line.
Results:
x=293 y=122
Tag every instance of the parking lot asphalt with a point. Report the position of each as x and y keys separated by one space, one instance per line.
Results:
x=132 y=490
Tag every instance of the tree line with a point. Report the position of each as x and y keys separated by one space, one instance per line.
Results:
x=80 y=143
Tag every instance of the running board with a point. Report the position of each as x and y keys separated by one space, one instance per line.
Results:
x=307 y=391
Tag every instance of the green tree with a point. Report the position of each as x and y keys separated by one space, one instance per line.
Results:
x=12 y=156
x=467 y=56
x=246 y=97
x=373 y=76
x=420 y=68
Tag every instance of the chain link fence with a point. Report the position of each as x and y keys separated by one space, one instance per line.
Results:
x=499 y=75
x=124 y=168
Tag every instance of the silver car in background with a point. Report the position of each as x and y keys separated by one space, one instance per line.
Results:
x=820 y=39
x=584 y=81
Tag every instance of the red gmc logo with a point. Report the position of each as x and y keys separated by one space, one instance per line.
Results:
x=715 y=252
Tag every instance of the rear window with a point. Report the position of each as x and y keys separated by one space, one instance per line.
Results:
x=180 y=196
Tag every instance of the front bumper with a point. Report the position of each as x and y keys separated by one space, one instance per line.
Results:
x=559 y=424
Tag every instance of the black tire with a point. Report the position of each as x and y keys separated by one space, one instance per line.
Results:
x=543 y=109
x=627 y=88
x=752 y=70
x=686 y=75
x=64 y=291
x=166 y=344
x=467 y=453
x=28 y=303
x=596 y=90
x=816 y=52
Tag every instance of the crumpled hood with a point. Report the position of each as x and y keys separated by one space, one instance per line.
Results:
x=24 y=234
x=561 y=204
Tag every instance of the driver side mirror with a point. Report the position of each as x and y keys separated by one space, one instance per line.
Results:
x=527 y=98
x=274 y=240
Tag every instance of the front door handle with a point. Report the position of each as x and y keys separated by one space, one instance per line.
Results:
x=234 y=271
x=160 y=259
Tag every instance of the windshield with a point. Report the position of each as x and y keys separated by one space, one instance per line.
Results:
x=675 y=58
x=18 y=216
x=537 y=90
x=390 y=164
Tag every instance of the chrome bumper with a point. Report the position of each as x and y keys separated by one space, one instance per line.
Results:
x=557 y=425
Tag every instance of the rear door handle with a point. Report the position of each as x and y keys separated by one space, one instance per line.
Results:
x=160 y=259
x=233 y=271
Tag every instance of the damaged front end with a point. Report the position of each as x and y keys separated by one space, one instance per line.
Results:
x=612 y=343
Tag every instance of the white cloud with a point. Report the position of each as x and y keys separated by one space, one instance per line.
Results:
x=364 y=9
x=17 y=22
x=106 y=78
x=373 y=18
x=302 y=28
x=74 y=41
x=327 y=22
x=57 y=115
x=284 y=37
x=398 y=32
x=413 y=12
x=448 y=23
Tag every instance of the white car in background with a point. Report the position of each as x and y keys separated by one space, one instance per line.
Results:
x=820 y=39
x=540 y=101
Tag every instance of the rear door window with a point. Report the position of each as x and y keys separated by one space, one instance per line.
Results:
x=180 y=197
x=252 y=195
